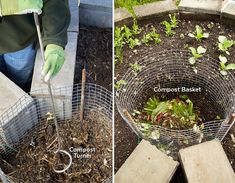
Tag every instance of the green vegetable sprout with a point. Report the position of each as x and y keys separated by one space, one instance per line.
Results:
x=136 y=67
x=174 y=21
x=118 y=44
x=135 y=29
x=197 y=53
x=133 y=43
x=169 y=26
x=119 y=83
x=223 y=67
x=198 y=34
x=125 y=35
x=224 y=44
x=168 y=29
x=151 y=36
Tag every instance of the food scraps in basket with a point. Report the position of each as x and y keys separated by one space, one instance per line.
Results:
x=178 y=113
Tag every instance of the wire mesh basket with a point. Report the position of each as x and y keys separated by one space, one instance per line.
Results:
x=171 y=69
x=30 y=112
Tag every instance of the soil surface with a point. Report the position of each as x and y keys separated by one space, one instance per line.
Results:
x=89 y=144
x=125 y=141
x=94 y=50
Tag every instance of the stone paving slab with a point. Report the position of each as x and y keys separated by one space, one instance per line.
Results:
x=146 y=164
x=17 y=111
x=74 y=25
x=228 y=10
x=201 y=6
x=151 y=9
x=96 y=13
x=207 y=163
x=121 y=14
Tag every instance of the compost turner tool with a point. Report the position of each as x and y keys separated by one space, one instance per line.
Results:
x=59 y=150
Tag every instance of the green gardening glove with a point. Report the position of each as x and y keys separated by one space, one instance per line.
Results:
x=17 y=7
x=54 y=60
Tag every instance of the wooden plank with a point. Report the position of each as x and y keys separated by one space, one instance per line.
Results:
x=207 y=163
x=146 y=164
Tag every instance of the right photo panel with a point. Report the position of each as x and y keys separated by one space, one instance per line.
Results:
x=174 y=85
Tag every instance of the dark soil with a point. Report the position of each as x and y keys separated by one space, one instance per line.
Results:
x=176 y=42
x=35 y=163
x=94 y=50
x=125 y=141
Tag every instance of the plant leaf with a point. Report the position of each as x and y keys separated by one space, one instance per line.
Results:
x=162 y=107
x=224 y=73
x=198 y=30
x=201 y=50
x=222 y=39
x=221 y=47
x=206 y=35
x=230 y=67
x=223 y=59
x=191 y=35
x=193 y=50
x=192 y=60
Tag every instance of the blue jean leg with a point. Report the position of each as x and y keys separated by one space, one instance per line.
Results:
x=3 y=68
x=20 y=65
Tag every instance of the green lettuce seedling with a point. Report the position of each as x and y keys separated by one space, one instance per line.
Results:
x=151 y=36
x=225 y=67
x=224 y=44
x=198 y=34
x=119 y=83
x=197 y=53
x=136 y=67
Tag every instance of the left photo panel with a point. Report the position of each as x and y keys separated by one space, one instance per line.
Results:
x=56 y=91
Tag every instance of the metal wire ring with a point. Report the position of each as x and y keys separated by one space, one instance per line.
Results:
x=70 y=161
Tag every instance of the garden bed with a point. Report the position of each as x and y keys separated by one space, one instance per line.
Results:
x=95 y=51
x=180 y=40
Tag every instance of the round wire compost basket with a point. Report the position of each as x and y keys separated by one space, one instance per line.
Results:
x=160 y=73
x=31 y=111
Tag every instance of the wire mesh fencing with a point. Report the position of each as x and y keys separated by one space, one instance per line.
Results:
x=31 y=112
x=169 y=70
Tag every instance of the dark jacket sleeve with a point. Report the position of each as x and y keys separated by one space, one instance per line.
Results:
x=55 y=20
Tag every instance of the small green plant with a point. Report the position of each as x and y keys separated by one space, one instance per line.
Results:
x=198 y=34
x=119 y=83
x=118 y=44
x=169 y=26
x=134 y=42
x=224 y=44
x=135 y=28
x=197 y=53
x=151 y=36
x=136 y=67
x=168 y=29
x=224 y=68
x=127 y=33
x=210 y=25
x=174 y=21
x=177 y=2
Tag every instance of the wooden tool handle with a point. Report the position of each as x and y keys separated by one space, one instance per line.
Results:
x=83 y=93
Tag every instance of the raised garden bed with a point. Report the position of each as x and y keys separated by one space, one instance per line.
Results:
x=179 y=40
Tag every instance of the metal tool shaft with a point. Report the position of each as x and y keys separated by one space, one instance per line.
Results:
x=48 y=83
